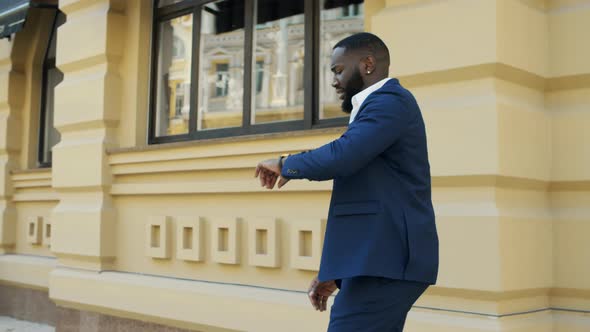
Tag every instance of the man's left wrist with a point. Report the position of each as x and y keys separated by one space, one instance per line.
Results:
x=282 y=159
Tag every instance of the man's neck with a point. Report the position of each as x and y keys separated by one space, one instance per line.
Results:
x=373 y=79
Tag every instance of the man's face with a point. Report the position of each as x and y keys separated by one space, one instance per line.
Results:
x=347 y=76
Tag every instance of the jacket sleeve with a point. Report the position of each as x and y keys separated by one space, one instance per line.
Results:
x=381 y=123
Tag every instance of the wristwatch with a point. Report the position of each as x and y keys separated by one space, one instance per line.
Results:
x=281 y=158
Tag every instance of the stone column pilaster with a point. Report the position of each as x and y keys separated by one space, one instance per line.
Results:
x=87 y=109
x=11 y=103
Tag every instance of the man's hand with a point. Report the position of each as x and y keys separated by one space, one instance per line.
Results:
x=319 y=292
x=269 y=172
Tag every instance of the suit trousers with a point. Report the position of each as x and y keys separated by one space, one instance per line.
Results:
x=373 y=304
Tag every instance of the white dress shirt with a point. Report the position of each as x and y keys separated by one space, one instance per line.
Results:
x=359 y=98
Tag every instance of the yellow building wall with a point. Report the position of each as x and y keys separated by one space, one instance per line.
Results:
x=504 y=88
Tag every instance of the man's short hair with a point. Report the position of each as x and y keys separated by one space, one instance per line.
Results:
x=365 y=41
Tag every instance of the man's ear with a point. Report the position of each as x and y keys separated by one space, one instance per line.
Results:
x=368 y=65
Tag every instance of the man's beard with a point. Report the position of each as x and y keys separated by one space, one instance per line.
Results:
x=354 y=86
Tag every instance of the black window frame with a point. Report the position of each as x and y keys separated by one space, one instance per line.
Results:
x=311 y=74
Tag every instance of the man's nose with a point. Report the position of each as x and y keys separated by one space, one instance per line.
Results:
x=335 y=83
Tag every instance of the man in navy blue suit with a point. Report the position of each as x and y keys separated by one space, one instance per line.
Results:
x=381 y=244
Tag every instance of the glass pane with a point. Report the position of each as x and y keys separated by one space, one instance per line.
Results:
x=173 y=86
x=279 y=48
x=221 y=65
x=339 y=19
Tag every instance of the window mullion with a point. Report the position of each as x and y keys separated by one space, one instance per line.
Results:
x=311 y=58
x=153 y=75
x=195 y=58
x=249 y=25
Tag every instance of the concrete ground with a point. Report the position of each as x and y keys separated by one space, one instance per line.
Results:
x=8 y=324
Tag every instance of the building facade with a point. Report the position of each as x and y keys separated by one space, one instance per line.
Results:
x=129 y=133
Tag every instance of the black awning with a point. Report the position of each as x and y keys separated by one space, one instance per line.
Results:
x=13 y=14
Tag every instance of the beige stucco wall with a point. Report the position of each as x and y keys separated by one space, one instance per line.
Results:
x=504 y=87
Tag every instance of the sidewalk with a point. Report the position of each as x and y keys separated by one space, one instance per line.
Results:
x=8 y=324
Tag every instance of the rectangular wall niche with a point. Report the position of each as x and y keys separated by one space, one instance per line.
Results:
x=34 y=230
x=47 y=233
x=222 y=239
x=189 y=238
x=263 y=243
x=305 y=244
x=225 y=241
x=307 y=238
x=157 y=242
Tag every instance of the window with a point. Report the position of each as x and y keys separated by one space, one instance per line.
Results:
x=177 y=48
x=249 y=66
x=48 y=135
x=222 y=80
x=259 y=76
x=351 y=10
x=179 y=99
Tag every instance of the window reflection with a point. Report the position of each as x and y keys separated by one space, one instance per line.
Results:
x=259 y=77
x=278 y=92
x=222 y=81
x=221 y=72
x=339 y=19
x=278 y=84
x=173 y=76
x=178 y=48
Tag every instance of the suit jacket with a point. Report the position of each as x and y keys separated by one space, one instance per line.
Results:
x=381 y=221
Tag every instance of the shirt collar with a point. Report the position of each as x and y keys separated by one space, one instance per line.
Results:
x=359 y=98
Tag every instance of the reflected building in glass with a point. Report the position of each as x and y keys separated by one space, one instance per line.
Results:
x=173 y=88
x=278 y=79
